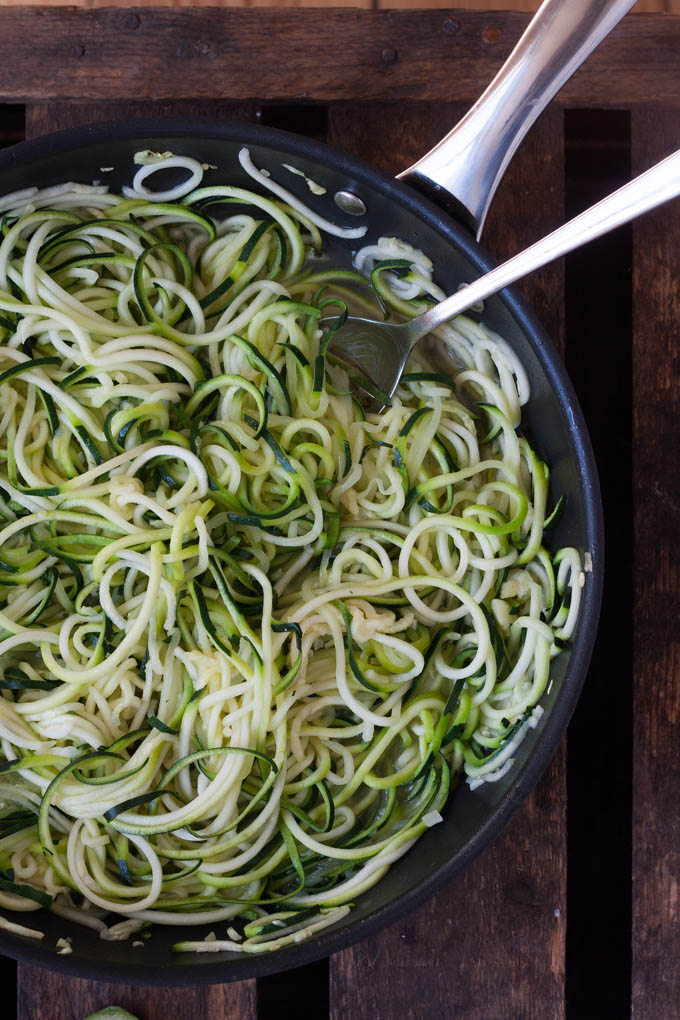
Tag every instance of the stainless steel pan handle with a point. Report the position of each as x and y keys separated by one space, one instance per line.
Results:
x=470 y=161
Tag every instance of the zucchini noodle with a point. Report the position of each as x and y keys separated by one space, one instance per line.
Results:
x=250 y=635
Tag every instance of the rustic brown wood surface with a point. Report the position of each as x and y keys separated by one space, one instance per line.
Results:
x=493 y=946
x=47 y=996
x=656 y=494
x=74 y=53
x=641 y=7
x=44 y=117
x=502 y=925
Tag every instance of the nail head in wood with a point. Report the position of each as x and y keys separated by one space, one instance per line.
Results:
x=451 y=27
x=491 y=34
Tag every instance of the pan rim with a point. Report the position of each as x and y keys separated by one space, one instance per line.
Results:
x=220 y=969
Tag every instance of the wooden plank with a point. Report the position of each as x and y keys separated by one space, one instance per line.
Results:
x=71 y=53
x=643 y=6
x=490 y=945
x=656 y=647
x=529 y=204
x=44 y=117
x=44 y=995
x=493 y=943
x=648 y=6
x=200 y=3
x=390 y=136
x=473 y=5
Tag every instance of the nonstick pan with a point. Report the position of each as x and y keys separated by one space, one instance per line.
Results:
x=461 y=174
x=553 y=419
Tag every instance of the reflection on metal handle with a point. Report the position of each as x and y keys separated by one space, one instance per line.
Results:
x=645 y=192
x=470 y=161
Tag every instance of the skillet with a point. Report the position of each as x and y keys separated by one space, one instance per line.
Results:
x=552 y=418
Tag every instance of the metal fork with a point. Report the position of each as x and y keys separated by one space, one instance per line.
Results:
x=375 y=353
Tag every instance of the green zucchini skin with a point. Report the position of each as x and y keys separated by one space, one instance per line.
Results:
x=111 y=1013
x=251 y=635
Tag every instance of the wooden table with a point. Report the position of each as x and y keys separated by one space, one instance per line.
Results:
x=575 y=910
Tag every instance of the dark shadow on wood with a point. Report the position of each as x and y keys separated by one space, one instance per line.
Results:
x=12 y=123
x=599 y=772
x=305 y=991
x=310 y=119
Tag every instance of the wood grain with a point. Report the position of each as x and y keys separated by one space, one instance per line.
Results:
x=42 y=118
x=491 y=945
x=47 y=996
x=488 y=947
x=642 y=6
x=193 y=3
x=528 y=6
x=391 y=136
x=71 y=53
x=656 y=494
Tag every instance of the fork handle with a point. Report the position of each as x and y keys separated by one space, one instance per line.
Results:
x=650 y=189
x=468 y=164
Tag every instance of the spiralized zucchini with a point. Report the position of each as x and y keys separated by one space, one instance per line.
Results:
x=250 y=636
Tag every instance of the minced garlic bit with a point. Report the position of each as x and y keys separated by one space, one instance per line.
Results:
x=501 y=611
x=146 y=156
x=316 y=189
x=519 y=586
x=432 y=818
x=122 y=931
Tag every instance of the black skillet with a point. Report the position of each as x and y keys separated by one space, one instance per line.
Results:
x=553 y=419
